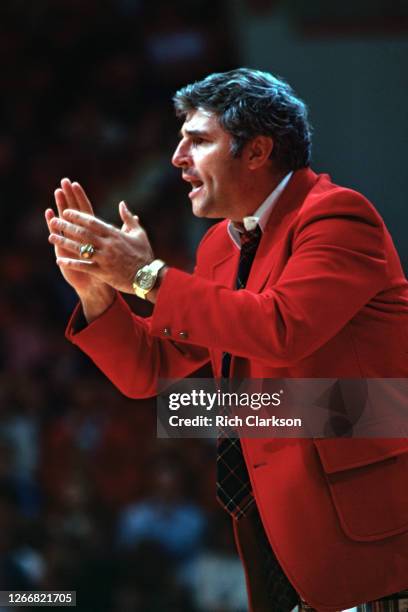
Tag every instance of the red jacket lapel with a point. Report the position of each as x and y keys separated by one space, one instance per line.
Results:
x=223 y=270
x=281 y=217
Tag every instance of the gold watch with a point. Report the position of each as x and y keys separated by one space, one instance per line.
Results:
x=146 y=278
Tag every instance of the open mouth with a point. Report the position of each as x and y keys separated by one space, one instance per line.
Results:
x=196 y=188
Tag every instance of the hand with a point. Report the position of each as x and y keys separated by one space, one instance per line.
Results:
x=118 y=253
x=95 y=295
x=71 y=195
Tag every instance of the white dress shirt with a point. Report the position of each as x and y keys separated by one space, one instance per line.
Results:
x=261 y=215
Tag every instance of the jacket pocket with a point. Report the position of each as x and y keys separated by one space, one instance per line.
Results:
x=368 y=483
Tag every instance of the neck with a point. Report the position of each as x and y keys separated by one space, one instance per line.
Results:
x=256 y=193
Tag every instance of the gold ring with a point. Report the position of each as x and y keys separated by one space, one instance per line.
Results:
x=87 y=250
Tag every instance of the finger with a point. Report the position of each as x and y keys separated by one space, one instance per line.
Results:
x=66 y=187
x=82 y=199
x=91 y=223
x=71 y=246
x=49 y=214
x=60 y=201
x=75 y=232
x=80 y=265
x=131 y=221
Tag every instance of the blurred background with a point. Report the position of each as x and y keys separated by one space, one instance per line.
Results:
x=90 y=500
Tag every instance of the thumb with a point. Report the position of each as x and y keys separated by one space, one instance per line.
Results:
x=131 y=221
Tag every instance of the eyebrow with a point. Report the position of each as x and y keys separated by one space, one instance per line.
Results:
x=199 y=133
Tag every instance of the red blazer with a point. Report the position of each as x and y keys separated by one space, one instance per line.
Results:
x=326 y=297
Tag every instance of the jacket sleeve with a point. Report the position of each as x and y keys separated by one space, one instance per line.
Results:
x=337 y=265
x=120 y=344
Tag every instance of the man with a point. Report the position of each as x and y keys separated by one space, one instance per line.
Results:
x=300 y=280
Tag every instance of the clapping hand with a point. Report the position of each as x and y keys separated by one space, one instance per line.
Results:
x=90 y=252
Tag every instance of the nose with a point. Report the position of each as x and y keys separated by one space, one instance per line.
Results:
x=181 y=156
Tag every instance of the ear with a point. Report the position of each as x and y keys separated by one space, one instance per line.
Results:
x=258 y=151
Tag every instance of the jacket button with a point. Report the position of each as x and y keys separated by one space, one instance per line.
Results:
x=183 y=335
x=167 y=331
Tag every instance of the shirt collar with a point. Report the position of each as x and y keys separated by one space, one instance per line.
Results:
x=260 y=216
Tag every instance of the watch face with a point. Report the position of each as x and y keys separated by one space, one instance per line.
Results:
x=144 y=279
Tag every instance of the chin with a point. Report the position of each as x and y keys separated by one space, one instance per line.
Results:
x=201 y=211
x=204 y=210
x=198 y=211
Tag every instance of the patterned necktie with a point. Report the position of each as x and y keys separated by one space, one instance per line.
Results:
x=234 y=490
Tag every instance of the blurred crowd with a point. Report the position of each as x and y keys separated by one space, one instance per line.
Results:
x=90 y=499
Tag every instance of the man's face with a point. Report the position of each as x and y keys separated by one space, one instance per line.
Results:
x=217 y=179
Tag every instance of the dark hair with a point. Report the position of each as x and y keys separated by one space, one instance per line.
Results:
x=249 y=103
